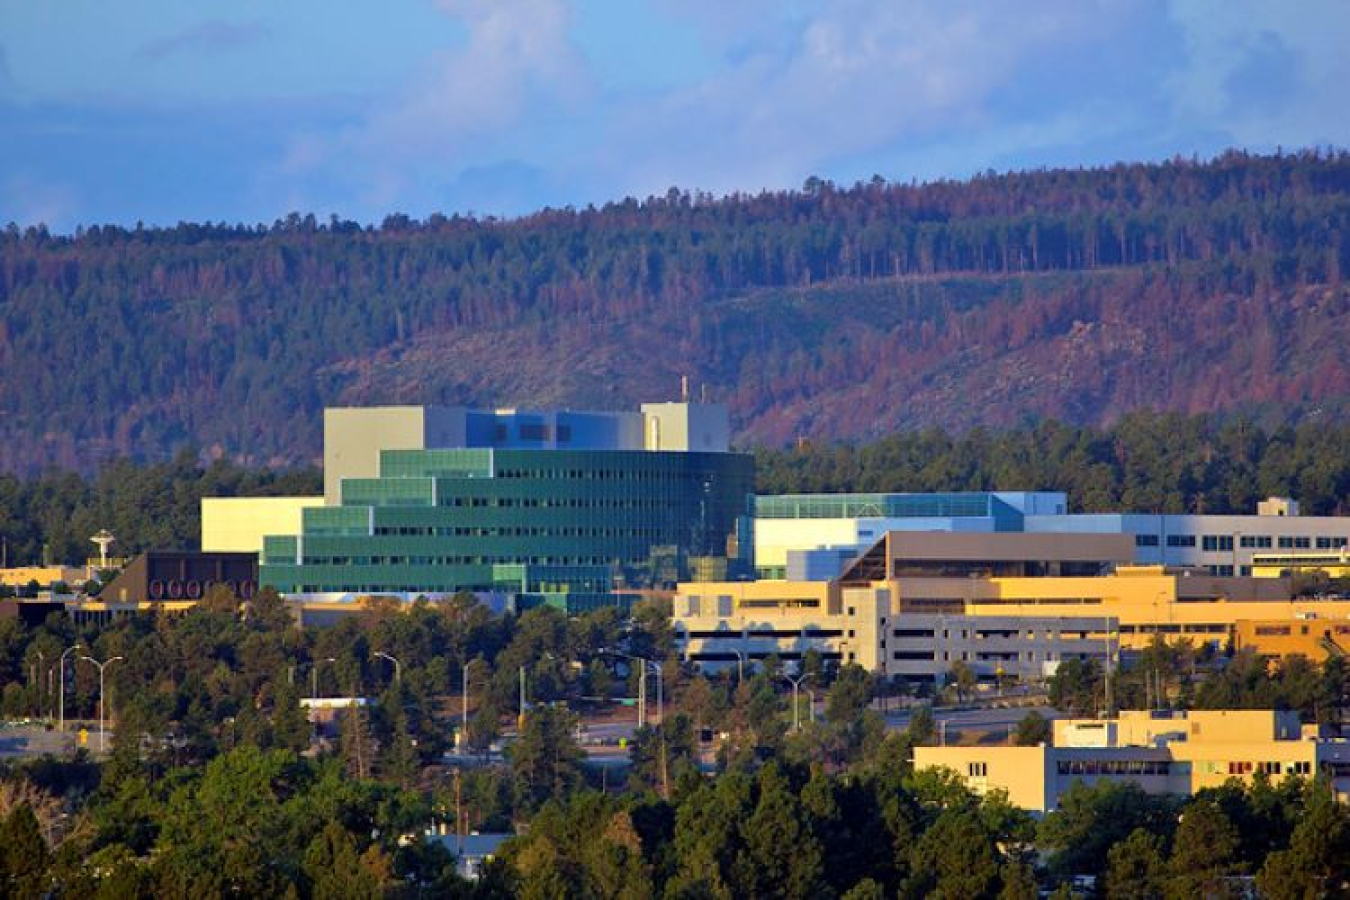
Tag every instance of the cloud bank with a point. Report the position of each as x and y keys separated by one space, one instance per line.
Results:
x=520 y=109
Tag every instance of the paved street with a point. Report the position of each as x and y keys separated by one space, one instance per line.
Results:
x=35 y=740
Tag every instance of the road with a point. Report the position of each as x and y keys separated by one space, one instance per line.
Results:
x=36 y=740
x=983 y=719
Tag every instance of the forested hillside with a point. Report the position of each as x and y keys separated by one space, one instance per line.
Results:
x=822 y=314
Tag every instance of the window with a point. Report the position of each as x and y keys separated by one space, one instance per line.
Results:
x=1146 y=540
x=1213 y=542
x=977 y=769
x=1255 y=542
x=1181 y=540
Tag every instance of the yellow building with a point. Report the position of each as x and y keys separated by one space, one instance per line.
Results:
x=237 y=524
x=45 y=576
x=1334 y=564
x=1310 y=635
x=1162 y=752
x=1149 y=601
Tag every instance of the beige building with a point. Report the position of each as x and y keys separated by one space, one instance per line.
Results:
x=899 y=610
x=1007 y=604
x=1162 y=752
x=238 y=524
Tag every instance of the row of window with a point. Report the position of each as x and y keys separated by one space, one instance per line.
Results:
x=644 y=503
x=1215 y=543
x=602 y=474
x=517 y=531
x=1114 y=767
x=486 y=560
x=1203 y=628
x=803 y=633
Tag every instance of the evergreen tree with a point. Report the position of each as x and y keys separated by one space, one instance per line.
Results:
x=24 y=857
x=1204 y=854
x=1317 y=863
x=1136 y=868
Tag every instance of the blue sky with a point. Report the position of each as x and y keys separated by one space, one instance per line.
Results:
x=243 y=111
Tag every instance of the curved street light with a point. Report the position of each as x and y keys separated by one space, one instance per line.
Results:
x=102 y=731
x=398 y=666
x=642 y=684
x=61 y=703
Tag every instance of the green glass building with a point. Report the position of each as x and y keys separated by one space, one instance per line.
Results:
x=572 y=528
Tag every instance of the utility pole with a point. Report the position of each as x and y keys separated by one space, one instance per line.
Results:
x=102 y=731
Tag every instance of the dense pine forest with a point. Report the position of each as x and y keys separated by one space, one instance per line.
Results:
x=826 y=313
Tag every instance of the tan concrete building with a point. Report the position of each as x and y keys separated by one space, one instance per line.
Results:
x=238 y=524
x=1162 y=752
x=904 y=625
x=1007 y=604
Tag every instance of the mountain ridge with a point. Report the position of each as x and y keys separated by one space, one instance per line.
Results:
x=828 y=313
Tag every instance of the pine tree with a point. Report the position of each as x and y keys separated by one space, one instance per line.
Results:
x=24 y=857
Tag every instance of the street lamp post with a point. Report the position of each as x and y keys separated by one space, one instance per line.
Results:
x=314 y=676
x=796 y=711
x=102 y=731
x=660 y=690
x=464 y=708
x=37 y=673
x=644 y=662
x=62 y=702
x=398 y=666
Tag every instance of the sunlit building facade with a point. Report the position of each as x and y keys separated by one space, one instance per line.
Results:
x=570 y=509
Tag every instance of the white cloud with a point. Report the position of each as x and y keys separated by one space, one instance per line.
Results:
x=1265 y=72
x=461 y=107
x=512 y=112
x=853 y=77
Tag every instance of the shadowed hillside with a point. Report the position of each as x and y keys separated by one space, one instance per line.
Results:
x=825 y=313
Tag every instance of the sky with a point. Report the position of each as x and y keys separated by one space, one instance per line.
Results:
x=163 y=111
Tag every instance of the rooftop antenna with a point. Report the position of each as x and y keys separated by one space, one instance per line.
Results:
x=103 y=539
x=684 y=388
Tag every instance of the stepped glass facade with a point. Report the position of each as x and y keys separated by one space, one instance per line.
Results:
x=571 y=522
